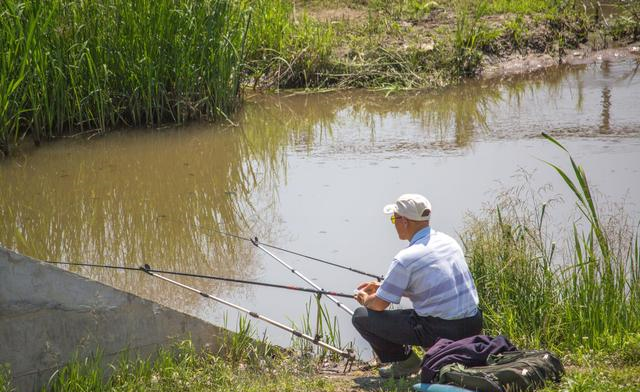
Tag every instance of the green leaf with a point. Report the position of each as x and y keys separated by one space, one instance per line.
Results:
x=557 y=143
x=567 y=180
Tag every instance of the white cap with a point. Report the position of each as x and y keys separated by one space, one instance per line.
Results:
x=412 y=206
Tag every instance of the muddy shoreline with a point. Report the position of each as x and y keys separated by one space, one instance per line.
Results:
x=536 y=62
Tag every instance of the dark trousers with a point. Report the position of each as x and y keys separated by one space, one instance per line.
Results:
x=390 y=332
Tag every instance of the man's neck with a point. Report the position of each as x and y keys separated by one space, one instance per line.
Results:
x=418 y=227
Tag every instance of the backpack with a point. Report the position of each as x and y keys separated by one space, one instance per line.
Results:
x=514 y=371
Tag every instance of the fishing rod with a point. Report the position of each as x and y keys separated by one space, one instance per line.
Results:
x=332 y=298
x=252 y=282
x=347 y=353
x=377 y=277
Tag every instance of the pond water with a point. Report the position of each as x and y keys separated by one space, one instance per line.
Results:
x=311 y=173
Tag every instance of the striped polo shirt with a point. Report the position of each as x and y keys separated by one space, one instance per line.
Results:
x=434 y=275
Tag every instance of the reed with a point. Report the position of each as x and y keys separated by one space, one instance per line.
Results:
x=587 y=296
x=81 y=66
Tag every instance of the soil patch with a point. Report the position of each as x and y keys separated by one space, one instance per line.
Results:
x=336 y=14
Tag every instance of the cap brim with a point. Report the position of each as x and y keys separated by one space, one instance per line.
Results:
x=390 y=209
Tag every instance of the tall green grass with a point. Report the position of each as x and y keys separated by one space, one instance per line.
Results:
x=587 y=296
x=77 y=66
x=82 y=66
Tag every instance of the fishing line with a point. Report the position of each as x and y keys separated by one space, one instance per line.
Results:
x=298 y=273
x=378 y=277
x=345 y=353
x=211 y=277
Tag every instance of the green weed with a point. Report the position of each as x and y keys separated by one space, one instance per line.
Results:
x=517 y=32
x=404 y=9
x=598 y=377
x=627 y=23
x=467 y=38
x=490 y=7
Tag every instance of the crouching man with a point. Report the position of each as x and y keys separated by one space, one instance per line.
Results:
x=433 y=274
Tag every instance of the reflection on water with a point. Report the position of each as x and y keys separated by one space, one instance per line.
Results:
x=606 y=105
x=153 y=196
x=582 y=101
x=130 y=199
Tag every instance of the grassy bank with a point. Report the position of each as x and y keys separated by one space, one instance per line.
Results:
x=411 y=43
x=182 y=368
x=185 y=369
x=585 y=296
x=70 y=67
x=582 y=301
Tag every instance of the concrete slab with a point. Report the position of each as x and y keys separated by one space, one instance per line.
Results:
x=47 y=315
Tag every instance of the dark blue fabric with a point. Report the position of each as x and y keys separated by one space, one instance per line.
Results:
x=471 y=351
x=390 y=332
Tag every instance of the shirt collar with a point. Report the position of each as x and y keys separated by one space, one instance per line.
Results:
x=420 y=234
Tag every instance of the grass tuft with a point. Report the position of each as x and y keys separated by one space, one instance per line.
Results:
x=5 y=379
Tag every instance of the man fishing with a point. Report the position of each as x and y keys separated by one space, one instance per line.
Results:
x=433 y=274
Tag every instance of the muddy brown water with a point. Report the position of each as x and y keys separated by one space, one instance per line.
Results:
x=311 y=173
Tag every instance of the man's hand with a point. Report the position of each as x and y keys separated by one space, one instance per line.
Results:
x=361 y=297
x=369 y=287
x=365 y=294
